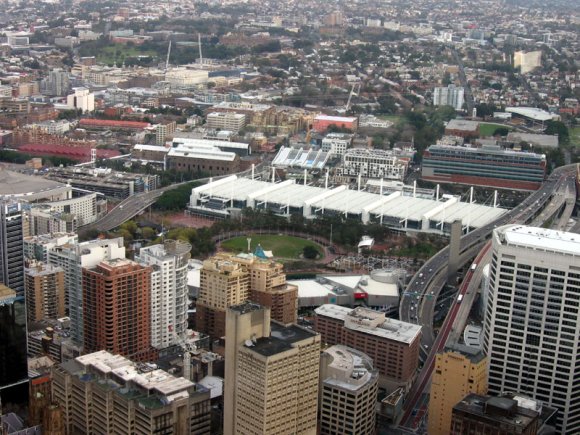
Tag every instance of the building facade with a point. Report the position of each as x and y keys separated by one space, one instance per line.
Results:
x=531 y=327
x=168 y=290
x=102 y=393
x=348 y=392
x=72 y=257
x=459 y=370
x=393 y=345
x=45 y=296
x=226 y=121
x=449 y=96
x=336 y=143
x=370 y=163
x=271 y=376
x=117 y=308
x=488 y=166
x=11 y=246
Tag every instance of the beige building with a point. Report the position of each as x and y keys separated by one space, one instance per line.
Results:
x=227 y=280
x=459 y=371
x=271 y=375
x=102 y=393
x=45 y=295
x=348 y=392
x=230 y=121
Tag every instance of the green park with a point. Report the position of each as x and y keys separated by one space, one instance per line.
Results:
x=280 y=245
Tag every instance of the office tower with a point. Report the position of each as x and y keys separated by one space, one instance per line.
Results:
x=168 y=290
x=348 y=392
x=44 y=285
x=56 y=83
x=73 y=257
x=393 y=345
x=271 y=375
x=459 y=370
x=531 y=327
x=484 y=415
x=81 y=99
x=109 y=394
x=223 y=283
x=269 y=288
x=11 y=246
x=117 y=313
x=449 y=96
x=13 y=364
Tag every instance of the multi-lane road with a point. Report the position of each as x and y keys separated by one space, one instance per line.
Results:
x=421 y=294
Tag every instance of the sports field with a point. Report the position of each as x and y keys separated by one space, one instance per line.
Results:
x=487 y=129
x=281 y=246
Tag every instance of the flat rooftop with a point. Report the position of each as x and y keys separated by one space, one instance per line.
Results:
x=497 y=410
x=362 y=320
x=282 y=338
x=14 y=183
x=540 y=239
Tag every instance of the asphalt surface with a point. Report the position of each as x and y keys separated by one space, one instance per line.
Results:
x=421 y=294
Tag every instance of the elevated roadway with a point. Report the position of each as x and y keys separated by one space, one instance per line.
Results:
x=421 y=295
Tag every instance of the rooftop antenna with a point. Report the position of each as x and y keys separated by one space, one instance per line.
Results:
x=199 y=45
x=168 y=53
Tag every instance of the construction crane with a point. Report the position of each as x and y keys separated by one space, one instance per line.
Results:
x=168 y=53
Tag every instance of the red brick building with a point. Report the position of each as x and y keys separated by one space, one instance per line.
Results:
x=393 y=345
x=116 y=309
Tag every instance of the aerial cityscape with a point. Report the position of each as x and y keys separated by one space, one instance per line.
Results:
x=289 y=217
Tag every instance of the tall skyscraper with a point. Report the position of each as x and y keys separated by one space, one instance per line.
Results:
x=459 y=370
x=271 y=376
x=72 y=257
x=531 y=327
x=168 y=290
x=44 y=284
x=11 y=246
x=348 y=392
x=13 y=363
x=117 y=308
x=449 y=96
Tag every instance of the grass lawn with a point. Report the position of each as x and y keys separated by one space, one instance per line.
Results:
x=281 y=246
x=487 y=129
x=575 y=136
x=118 y=52
x=395 y=119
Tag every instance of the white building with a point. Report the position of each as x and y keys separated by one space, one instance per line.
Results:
x=73 y=257
x=168 y=291
x=348 y=391
x=449 y=96
x=369 y=163
x=527 y=61
x=226 y=121
x=531 y=328
x=336 y=143
x=82 y=99
x=185 y=77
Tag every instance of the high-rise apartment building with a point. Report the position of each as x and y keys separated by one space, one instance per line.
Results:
x=72 y=257
x=81 y=99
x=348 y=392
x=102 y=393
x=44 y=287
x=459 y=370
x=168 y=290
x=268 y=287
x=271 y=375
x=13 y=363
x=223 y=283
x=11 y=246
x=531 y=326
x=393 y=345
x=228 y=280
x=117 y=308
x=449 y=96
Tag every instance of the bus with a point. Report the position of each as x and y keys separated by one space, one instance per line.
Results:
x=459 y=299
x=473 y=266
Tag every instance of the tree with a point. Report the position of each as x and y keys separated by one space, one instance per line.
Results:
x=559 y=128
x=310 y=252
x=501 y=131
